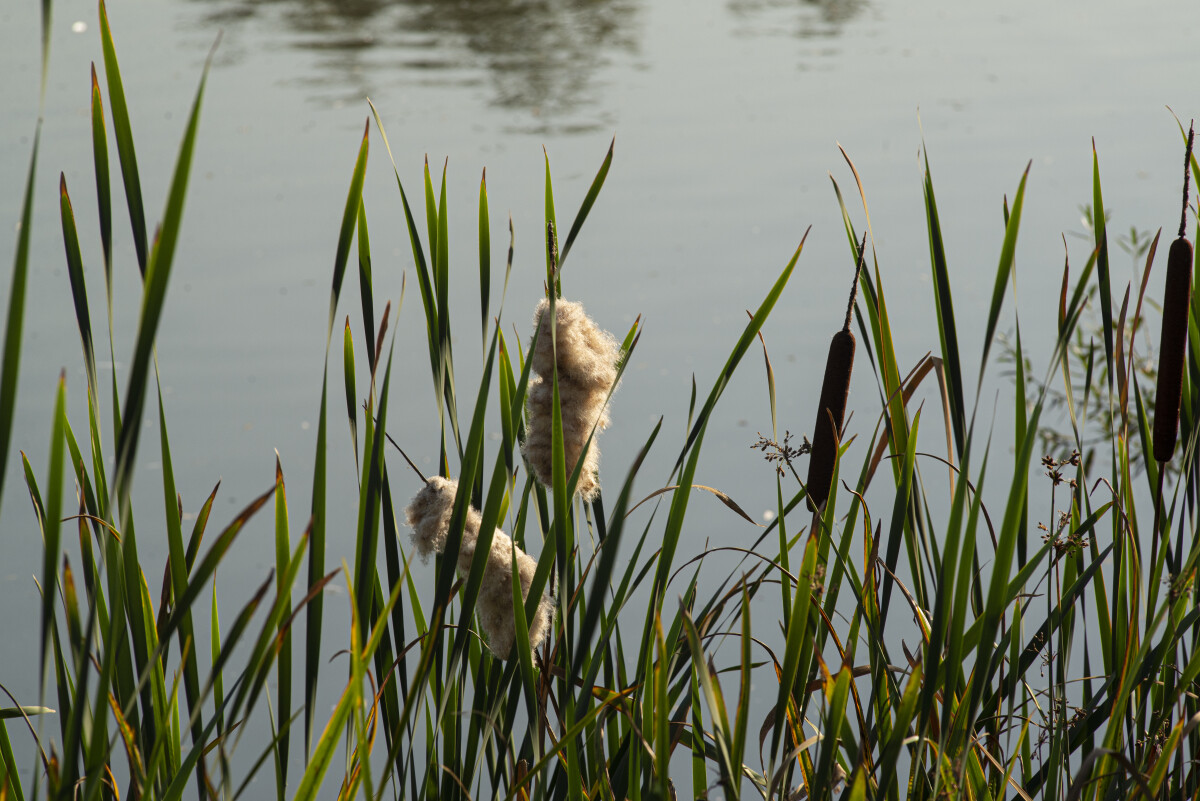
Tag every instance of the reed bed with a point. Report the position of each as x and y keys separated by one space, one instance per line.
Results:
x=1045 y=647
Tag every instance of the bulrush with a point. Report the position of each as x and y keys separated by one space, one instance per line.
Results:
x=587 y=370
x=831 y=411
x=1172 y=349
x=429 y=515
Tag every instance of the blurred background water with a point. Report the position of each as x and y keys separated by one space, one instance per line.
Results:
x=727 y=117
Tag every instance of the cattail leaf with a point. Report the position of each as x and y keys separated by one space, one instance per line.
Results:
x=103 y=185
x=1100 y=227
x=609 y=548
x=743 y=344
x=51 y=521
x=349 y=384
x=283 y=654
x=178 y=570
x=78 y=287
x=316 y=565
x=125 y=149
x=10 y=371
x=349 y=221
x=943 y=300
x=366 y=288
x=586 y=206
x=157 y=275
x=1004 y=269
x=424 y=278
x=485 y=258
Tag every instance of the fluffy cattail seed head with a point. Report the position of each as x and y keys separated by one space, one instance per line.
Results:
x=587 y=371
x=429 y=516
x=587 y=355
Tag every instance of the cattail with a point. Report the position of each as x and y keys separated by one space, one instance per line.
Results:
x=1172 y=349
x=587 y=370
x=429 y=515
x=494 y=608
x=832 y=409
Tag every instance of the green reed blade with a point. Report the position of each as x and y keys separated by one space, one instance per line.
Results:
x=10 y=372
x=51 y=521
x=125 y=149
x=351 y=392
x=485 y=259
x=943 y=300
x=78 y=286
x=349 y=220
x=178 y=568
x=743 y=344
x=316 y=567
x=158 y=272
x=103 y=188
x=586 y=206
x=366 y=289
x=283 y=646
x=1004 y=269
x=1100 y=225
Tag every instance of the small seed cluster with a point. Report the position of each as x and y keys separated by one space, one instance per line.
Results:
x=429 y=516
x=586 y=359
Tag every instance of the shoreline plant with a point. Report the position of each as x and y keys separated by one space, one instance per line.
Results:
x=979 y=640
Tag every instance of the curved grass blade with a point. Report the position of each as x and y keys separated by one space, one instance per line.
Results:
x=158 y=272
x=1100 y=225
x=588 y=201
x=103 y=188
x=125 y=149
x=10 y=372
x=349 y=219
x=485 y=257
x=1004 y=269
x=78 y=287
x=739 y=351
x=366 y=288
x=52 y=524
x=943 y=299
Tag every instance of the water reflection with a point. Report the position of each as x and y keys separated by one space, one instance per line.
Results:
x=811 y=19
x=538 y=56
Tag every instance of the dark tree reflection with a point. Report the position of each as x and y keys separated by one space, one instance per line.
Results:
x=810 y=19
x=540 y=56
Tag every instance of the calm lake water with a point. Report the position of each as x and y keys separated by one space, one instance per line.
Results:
x=727 y=117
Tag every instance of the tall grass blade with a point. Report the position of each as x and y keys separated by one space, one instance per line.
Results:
x=349 y=220
x=125 y=149
x=1004 y=270
x=11 y=370
x=586 y=206
x=158 y=272
x=78 y=287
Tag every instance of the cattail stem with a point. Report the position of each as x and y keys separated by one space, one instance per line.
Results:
x=1187 y=166
x=862 y=257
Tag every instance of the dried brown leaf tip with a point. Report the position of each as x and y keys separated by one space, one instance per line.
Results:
x=586 y=357
x=429 y=515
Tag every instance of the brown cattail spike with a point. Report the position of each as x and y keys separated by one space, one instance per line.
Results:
x=831 y=411
x=1172 y=348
